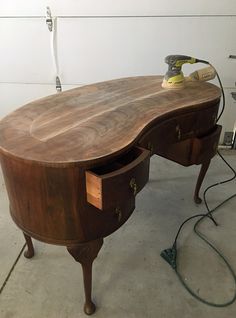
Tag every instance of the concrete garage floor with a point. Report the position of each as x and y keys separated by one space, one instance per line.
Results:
x=130 y=278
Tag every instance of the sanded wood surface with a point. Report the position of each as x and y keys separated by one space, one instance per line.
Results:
x=95 y=121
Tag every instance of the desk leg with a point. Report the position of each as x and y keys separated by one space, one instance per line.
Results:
x=85 y=254
x=204 y=168
x=29 y=253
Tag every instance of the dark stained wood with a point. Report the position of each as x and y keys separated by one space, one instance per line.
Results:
x=74 y=162
x=50 y=204
x=193 y=150
x=203 y=171
x=86 y=254
x=179 y=131
x=206 y=146
x=46 y=202
x=29 y=253
x=49 y=196
x=110 y=185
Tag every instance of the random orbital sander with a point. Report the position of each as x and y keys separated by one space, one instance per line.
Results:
x=174 y=77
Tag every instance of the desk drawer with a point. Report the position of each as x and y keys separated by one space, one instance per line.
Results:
x=193 y=150
x=110 y=185
x=169 y=132
x=179 y=129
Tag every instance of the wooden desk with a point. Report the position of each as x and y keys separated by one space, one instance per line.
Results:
x=74 y=162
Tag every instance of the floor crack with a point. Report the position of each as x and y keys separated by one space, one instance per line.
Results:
x=12 y=268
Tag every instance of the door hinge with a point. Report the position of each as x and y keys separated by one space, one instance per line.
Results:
x=49 y=20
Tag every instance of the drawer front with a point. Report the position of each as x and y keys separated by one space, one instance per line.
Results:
x=105 y=223
x=228 y=119
x=178 y=129
x=193 y=150
x=206 y=119
x=205 y=148
x=169 y=132
x=113 y=184
x=179 y=152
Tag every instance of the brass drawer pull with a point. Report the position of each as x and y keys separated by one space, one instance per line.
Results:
x=177 y=128
x=214 y=118
x=133 y=186
x=150 y=147
x=118 y=213
x=119 y=173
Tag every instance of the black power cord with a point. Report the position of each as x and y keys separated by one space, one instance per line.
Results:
x=170 y=255
x=221 y=87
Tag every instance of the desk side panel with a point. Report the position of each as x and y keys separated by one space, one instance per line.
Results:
x=50 y=204
x=44 y=202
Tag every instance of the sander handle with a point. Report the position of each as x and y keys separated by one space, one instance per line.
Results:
x=203 y=75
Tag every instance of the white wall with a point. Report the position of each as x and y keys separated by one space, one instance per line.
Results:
x=101 y=40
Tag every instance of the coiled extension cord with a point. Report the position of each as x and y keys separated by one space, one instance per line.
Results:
x=170 y=254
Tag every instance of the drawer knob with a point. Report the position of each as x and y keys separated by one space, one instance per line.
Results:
x=118 y=214
x=214 y=118
x=177 y=128
x=133 y=186
x=150 y=147
x=215 y=146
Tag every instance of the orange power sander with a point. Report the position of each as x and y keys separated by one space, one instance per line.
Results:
x=174 y=77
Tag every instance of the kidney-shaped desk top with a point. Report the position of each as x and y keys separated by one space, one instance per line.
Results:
x=94 y=122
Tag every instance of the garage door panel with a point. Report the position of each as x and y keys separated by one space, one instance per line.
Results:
x=26 y=51
x=92 y=50
x=118 y=7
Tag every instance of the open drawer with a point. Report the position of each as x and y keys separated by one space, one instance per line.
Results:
x=205 y=147
x=109 y=185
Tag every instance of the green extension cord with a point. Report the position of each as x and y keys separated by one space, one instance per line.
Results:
x=170 y=255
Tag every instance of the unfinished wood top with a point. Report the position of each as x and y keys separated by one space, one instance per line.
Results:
x=95 y=121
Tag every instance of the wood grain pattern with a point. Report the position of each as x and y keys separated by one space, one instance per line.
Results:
x=66 y=156
x=94 y=189
x=82 y=125
x=45 y=168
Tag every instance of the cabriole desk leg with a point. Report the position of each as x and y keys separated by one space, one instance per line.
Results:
x=204 y=168
x=29 y=253
x=85 y=253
